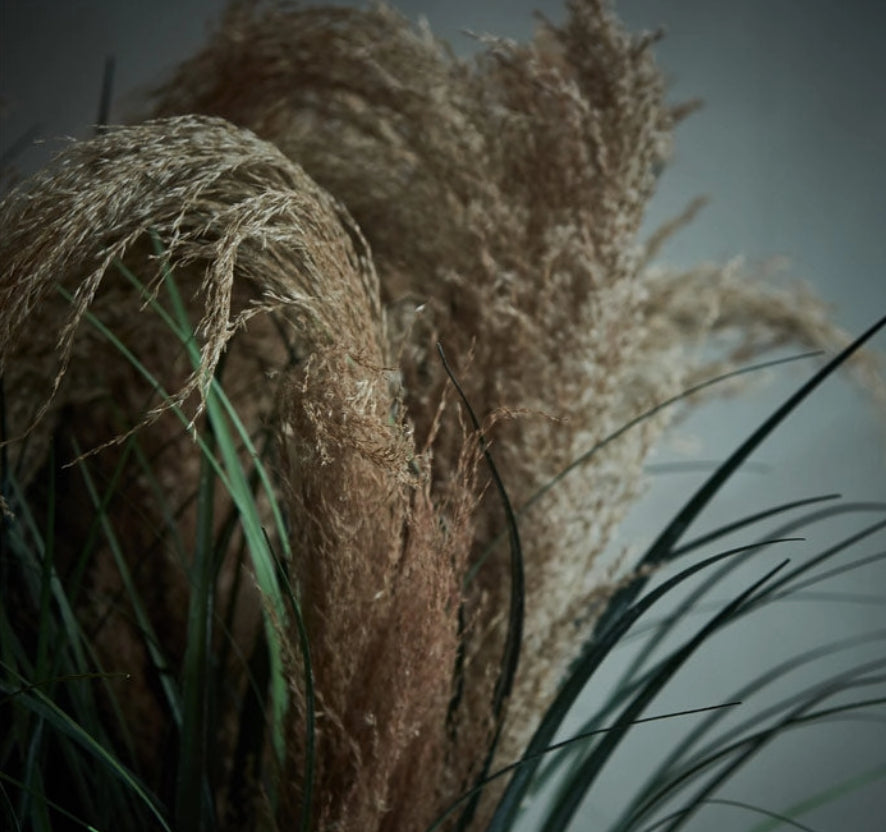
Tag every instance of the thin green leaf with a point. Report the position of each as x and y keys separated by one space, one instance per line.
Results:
x=718 y=576
x=661 y=550
x=146 y=628
x=744 y=748
x=192 y=809
x=687 y=393
x=583 y=670
x=55 y=680
x=663 y=547
x=557 y=746
x=800 y=586
x=511 y=655
x=263 y=558
x=778 y=819
x=51 y=804
x=43 y=706
x=104 y=105
x=581 y=780
x=666 y=770
x=825 y=796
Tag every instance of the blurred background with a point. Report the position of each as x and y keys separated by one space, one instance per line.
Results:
x=790 y=148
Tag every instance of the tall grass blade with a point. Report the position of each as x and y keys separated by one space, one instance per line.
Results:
x=193 y=804
x=647 y=414
x=717 y=577
x=663 y=547
x=13 y=819
x=666 y=769
x=146 y=627
x=41 y=705
x=581 y=780
x=777 y=819
x=585 y=667
x=263 y=559
x=825 y=796
x=557 y=746
x=103 y=116
x=237 y=484
x=744 y=748
x=511 y=657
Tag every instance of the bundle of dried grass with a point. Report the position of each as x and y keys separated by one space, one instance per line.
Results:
x=501 y=200
x=278 y=278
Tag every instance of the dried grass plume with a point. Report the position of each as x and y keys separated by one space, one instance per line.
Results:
x=335 y=192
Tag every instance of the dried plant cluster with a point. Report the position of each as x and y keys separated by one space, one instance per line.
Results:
x=336 y=193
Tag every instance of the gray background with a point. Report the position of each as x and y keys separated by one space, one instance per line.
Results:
x=790 y=147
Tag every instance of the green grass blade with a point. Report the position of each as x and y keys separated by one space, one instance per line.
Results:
x=51 y=804
x=557 y=746
x=170 y=530
x=588 y=663
x=822 y=557
x=795 y=590
x=825 y=796
x=146 y=628
x=264 y=561
x=858 y=563
x=240 y=491
x=67 y=658
x=685 y=394
x=663 y=547
x=775 y=590
x=43 y=706
x=514 y=640
x=46 y=575
x=779 y=819
x=749 y=520
x=672 y=763
x=748 y=748
x=581 y=780
x=691 y=600
x=796 y=711
x=192 y=809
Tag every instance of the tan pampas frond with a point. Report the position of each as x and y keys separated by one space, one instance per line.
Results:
x=334 y=191
x=251 y=239
x=210 y=193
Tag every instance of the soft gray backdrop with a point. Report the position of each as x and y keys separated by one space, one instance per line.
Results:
x=790 y=146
